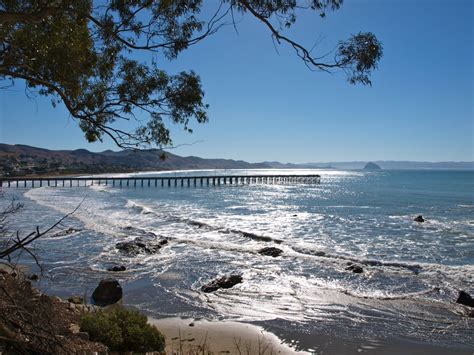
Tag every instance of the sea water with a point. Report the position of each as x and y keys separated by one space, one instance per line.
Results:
x=412 y=271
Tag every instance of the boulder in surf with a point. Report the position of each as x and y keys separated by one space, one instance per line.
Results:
x=222 y=282
x=108 y=292
x=270 y=251
x=465 y=299
x=139 y=246
x=357 y=269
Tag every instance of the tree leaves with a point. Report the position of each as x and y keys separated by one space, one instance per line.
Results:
x=83 y=53
x=359 y=57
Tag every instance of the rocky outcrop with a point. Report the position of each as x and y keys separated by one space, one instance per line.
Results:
x=372 y=166
x=108 y=292
x=270 y=251
x=33 y=277
x=465 y=299
x=419 y=219
x=140 y=246
x=117 y=268
x=223 y=282
x=357 y=269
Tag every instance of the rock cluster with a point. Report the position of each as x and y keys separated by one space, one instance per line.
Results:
x=75 y=300
x=140 y=246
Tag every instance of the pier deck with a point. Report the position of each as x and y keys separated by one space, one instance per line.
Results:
x=157 y=181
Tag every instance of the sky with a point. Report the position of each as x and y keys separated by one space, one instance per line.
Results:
x=265 y=105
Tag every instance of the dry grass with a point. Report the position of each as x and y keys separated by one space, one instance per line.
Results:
x=181 y=345
x=32 y=322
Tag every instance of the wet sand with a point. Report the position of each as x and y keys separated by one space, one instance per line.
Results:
x=228 y=337
x=335 y=344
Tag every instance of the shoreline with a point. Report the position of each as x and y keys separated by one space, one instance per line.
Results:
x=219 y=337
x=189 y=335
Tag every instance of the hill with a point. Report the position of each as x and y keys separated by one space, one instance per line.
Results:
x=372 y=166
x=17 y=160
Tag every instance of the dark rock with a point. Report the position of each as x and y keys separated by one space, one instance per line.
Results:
x=191 y=324
x=198 y=224
x=295 y=215
x=270 y=251
x=108 y=292
x=33 y=277
x=319 y=253
x=139 y=246
x=117 y=268
x=223 y=282
x=357 y=269
x=419 y=219
x=465 y=299
x=76 y=300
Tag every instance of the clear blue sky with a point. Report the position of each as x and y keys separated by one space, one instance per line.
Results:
x=266 y=105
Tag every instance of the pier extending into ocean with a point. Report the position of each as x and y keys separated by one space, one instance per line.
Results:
x=157 y=181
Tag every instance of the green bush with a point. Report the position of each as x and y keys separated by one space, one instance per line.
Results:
x=121 y=329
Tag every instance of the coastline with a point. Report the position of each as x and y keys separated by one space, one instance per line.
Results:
x=191 y=336
x=332 y=338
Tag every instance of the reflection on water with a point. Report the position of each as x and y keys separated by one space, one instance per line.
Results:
x=411 y=272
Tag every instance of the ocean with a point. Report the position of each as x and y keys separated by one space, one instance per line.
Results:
x=412 y=272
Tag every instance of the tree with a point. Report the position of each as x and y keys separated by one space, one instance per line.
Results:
x=81 y=53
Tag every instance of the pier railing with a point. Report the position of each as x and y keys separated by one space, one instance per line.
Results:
x=157 y=181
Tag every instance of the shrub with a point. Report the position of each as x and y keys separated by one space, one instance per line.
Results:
x=121 y=329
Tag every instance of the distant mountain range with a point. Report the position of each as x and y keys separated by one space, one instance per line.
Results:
x=25 y=160
x=18 y=160
x=384 y=164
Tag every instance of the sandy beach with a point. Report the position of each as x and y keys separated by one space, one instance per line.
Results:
x=225 y=337
x=189 y=336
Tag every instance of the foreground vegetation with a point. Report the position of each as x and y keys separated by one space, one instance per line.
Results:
x=121 y=329
x=34 y=323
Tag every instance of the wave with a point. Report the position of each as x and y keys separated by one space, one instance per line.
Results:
x=291 y=249
x=404 y=296
x=415 y=268
x=295 y=251
x=353 y=206
x=149 y=221
x=202 y=225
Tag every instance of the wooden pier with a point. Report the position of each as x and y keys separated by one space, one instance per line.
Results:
x=157 y=181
